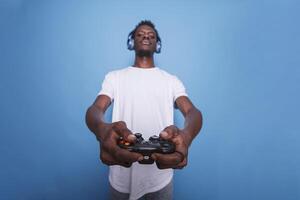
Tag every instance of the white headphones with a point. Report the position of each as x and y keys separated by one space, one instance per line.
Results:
x=130 y=42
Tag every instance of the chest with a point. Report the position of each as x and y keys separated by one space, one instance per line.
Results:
x=143 y=87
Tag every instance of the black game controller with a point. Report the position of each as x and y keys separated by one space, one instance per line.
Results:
x=146 y=148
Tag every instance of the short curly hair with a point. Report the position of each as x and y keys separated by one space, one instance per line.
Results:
x=148 y=23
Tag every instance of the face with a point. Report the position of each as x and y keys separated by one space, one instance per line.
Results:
x=145 y=40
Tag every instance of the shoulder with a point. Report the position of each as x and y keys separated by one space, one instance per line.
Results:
x=171 y=77
x=115 y=73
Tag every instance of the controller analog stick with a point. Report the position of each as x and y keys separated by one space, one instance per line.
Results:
x=154 y=138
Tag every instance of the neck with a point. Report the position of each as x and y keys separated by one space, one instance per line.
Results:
x=144 y=61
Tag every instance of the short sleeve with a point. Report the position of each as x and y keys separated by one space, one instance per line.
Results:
x=178 y=89
x=108 y=86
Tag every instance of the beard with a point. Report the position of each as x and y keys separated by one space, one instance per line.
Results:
x=144 y=53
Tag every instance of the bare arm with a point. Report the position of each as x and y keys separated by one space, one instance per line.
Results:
x=193 y=118
x=109 y=133
x=95 y=115
x=182 y=138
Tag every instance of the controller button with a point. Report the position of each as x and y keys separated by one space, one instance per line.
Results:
x=146 y=157
x=138 y=135
x=154 y=138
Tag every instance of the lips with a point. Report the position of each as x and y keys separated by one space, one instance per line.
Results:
x=145 y=42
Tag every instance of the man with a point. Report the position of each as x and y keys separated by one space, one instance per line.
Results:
x=144 y=97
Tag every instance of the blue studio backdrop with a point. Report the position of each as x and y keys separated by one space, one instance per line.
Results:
x=239 y=61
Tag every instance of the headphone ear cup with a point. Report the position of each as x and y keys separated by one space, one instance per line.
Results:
x=158 y=47
x=130 y=43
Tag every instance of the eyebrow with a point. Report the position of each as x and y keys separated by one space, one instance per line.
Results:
x=146 y=31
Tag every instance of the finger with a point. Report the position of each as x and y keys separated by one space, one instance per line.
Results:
x=181 y=165
x=121 y=129
x=110 y=141
x=113 y=157
x=182 y=157
x=112 y=161
x=163 y=164
x=167 y=161
x=180 y=146
x=106 y=158
x=173 y=157
x=123 y=155
x=164 y=135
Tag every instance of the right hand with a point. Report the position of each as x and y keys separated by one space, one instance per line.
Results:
x=110 y=152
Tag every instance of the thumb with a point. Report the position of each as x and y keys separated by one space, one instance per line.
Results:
x=164 y=135
x=154 y=156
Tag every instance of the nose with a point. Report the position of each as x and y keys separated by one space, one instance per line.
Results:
x=146 y=36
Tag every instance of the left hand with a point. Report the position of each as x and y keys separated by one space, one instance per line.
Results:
x=178 y=159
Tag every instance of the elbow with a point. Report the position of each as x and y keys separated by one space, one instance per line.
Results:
x=198 y=118
x=88 y=117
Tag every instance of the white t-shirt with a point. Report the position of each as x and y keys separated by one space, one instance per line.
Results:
x=144 y=100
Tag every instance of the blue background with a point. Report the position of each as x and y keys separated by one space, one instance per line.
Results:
x=239 y=61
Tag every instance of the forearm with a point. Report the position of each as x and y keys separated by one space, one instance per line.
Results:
x=192 y=124
x=95 y=121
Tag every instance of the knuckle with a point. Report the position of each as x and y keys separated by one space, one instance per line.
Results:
x=111 y=136
x=103 y=158
x=124 y=131
x=121 y=128
x=167 y=128
x=184 y=163
x=174 y=128
x=180 y=141
x=180 y=167
x=170 y=128
x=121 y=124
